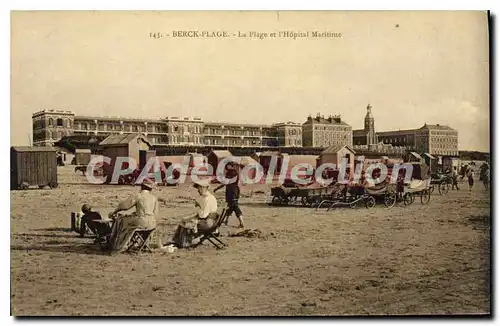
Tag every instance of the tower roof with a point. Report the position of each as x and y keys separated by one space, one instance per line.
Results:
x=369 y=114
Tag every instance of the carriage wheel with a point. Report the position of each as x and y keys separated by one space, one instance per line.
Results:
x=443 y=188
x=390 y=199
x=370 y=202
x=408 y=199
x=425 y=197
x=431 y=189
x=276 y=200
x=353 y=204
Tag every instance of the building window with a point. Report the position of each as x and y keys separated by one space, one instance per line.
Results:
x=54 y=134
x=51 y=122
x=60 y=122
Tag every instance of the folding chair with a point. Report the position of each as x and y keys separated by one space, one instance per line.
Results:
x=139 y=241
x=102 y=239
x=210 y=234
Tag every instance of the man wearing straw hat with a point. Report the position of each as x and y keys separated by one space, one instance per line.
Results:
x=203 y=219
x=146 y=210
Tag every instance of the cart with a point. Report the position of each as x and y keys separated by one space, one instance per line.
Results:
x=442 y=182
x=414 y=188
x=294 y=195
x=354 y=196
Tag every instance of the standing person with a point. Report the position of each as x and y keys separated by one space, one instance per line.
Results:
x=463 y=172
x=470 y=178
x=454 y=179
x=485 y=175
x=232 y=197
x=146 y=210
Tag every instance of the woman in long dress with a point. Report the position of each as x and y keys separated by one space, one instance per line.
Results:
x=146 y=210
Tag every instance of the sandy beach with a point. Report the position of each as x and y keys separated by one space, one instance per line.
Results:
x=420 y=259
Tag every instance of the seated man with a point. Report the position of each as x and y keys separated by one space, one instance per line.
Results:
x=90 y=219
x=202 y=220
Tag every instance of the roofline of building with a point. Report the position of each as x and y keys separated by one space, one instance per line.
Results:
x=42 y=112
x=402 y=130
x=125 y=119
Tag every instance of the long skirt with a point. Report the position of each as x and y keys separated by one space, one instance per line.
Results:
x=123 y=230
x=183 y=237
x=189 y=229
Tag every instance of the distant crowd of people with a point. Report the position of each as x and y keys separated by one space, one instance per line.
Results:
x=467 y=171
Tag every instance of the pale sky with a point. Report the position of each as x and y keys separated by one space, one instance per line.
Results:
x=433 y=68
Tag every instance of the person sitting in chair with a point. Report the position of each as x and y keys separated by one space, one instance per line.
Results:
x=204 y=218
x=89 y=218
x=146 y=210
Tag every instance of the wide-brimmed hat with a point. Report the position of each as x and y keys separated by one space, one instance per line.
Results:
x=148 y=183
x=203 y=183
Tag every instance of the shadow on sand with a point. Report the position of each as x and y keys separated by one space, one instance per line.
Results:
x=54 y=229
x=87 y=249
x=46 y=235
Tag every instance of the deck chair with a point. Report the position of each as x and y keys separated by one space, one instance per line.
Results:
x=210 y=234
x=139 y=241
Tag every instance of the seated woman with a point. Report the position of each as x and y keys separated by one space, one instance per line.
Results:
x=202 y=220
x=146 y=209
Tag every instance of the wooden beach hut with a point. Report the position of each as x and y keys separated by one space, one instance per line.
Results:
x=33 y=166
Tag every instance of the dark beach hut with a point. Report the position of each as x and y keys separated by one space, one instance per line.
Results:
x=33 y=166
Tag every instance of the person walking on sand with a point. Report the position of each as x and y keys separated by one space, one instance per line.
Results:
x=454 y=179
x=232 y=197
x=484 y=175
x=470 y=178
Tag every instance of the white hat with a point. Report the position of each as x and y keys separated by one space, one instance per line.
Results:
x=202 y=183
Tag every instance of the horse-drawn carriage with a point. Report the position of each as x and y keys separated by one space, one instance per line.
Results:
x=357 y=195
x=441 y=181
x=417 y=188
x=420 y=185
x=98 y=169
x=291 y=195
